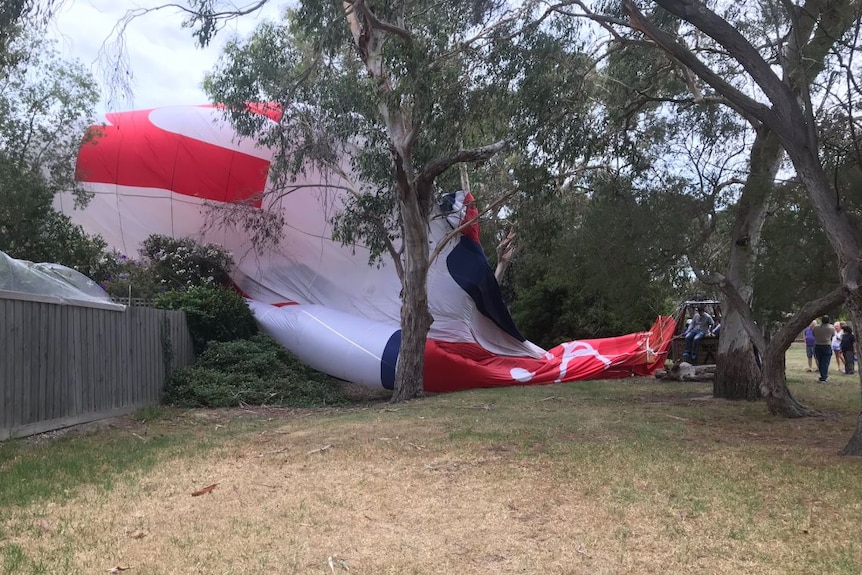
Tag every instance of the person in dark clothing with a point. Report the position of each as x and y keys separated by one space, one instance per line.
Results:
x=823 y=334
x=848 y=341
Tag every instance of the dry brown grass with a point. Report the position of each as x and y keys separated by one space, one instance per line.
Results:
x=596 y=477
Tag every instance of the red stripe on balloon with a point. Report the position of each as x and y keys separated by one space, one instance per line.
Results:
x=134 y=152
x=471 y=212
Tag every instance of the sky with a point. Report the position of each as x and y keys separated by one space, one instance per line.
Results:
x=165 y=64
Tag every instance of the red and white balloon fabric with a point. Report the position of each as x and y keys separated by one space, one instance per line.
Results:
x=152 y=171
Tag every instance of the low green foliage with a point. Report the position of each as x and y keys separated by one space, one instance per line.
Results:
x=256 y=371
x=166 y=264
x=213 y=313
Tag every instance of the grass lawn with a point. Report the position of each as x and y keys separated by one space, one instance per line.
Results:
x=624 y=476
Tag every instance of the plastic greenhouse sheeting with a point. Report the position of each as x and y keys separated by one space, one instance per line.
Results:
x=52 y=283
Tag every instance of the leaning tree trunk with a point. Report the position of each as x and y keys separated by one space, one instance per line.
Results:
x=415 y=317
x=794 y=125
x=737 y=375
x=773 y=387
x=779 y=400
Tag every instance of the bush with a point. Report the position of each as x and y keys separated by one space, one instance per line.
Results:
x=123 y=277
x=183 y=263
x=166 y=264
x=256 y=371
x=213 y=314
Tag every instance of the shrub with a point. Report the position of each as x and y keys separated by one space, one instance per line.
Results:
x=183 y=262
x=256 y=371
x=123 y=277
x=213 y=314
x=166 y=264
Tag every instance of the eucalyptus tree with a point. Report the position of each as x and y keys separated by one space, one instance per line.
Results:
x=799 y=40
x=785 y=106
x=691 y=134
x=407 y=91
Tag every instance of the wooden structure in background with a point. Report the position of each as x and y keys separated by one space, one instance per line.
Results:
x=62 y=365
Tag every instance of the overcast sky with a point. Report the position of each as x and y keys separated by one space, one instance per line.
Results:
x=166 y=66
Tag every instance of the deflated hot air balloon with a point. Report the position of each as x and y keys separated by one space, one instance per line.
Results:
x=153 y=171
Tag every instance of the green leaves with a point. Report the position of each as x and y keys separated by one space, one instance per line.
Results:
x=213 y=313
x=254 y=371
x=45 y=104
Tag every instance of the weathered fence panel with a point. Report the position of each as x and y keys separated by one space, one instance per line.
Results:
x=61 y=365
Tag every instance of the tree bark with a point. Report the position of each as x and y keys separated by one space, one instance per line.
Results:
x=737 y=375
x=854 y=446
x=854 y=304
x=779 y=400
x=415 y=316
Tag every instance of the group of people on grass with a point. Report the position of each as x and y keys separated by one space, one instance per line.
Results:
x=824 y=340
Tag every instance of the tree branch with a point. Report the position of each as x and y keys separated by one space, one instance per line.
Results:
x=361 y=7
x=811 y=310
x=749 y=108
x=440 y=165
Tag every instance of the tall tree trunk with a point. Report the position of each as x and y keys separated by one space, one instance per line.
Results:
x=737 y=375
x=854 y=304
x=415 y=317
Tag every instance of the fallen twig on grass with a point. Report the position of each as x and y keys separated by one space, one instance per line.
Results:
x=282 y=450
x=319 y=449
x=205 y=490
x=676 y=417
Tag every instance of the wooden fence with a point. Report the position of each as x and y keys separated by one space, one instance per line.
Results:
x=62 y=365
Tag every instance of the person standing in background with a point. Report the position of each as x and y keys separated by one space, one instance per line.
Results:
x=848 y=342
x=836 y=345
x=809 y=343
x=823 y=335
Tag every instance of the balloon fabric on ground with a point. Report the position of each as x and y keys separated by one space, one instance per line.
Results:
x=156 y=171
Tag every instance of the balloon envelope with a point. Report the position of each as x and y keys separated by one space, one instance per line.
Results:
x=159 y=171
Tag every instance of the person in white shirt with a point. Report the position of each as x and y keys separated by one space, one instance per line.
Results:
x=836 y=345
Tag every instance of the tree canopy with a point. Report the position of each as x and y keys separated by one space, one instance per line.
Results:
x=45 y=106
